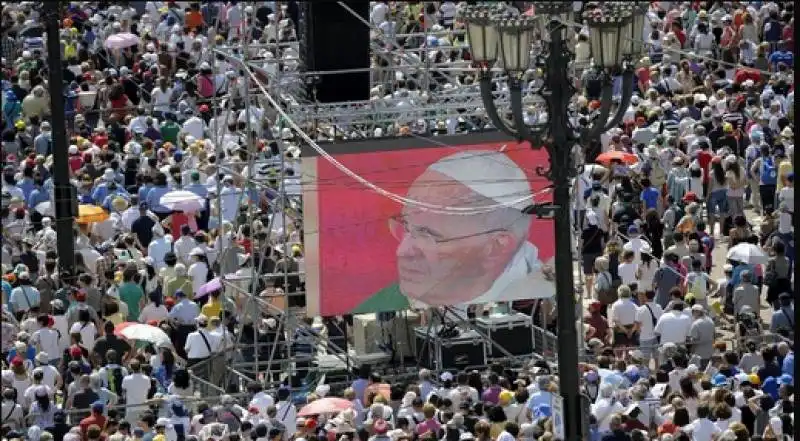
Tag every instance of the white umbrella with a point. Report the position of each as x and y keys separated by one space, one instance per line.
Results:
x=748 y=253
x=45 y=208
x=144 y=332
x=182 y=200
x=122 y=40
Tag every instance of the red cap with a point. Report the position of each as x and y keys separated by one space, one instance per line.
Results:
x=311 y=424
x=595 y=306
x=253 y=410
x=75 y=351
x=204 y=108
x=169 y=302
x=380 y=427
x=50 y=321
x=668 y=427
x=690 y=197
x=80 y=295
x=17 y=361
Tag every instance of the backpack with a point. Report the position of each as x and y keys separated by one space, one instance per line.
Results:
x=115 y=380
x=768 y=172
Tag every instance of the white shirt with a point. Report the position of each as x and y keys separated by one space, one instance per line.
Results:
x=225 y=337
x=198 y=271
x=161 y=99
x=88 y=333
x=153 y=312
x=287 y=414
x=645 y=320
x=194 y=126
x=136 y=387
x=638 y=246
x=158 y=249
x=627 y=272
x=50 y=376
x=196 y=346
x=703 y=429
x=230 y=203
x=183 y=246
x=62 y=326
x=29 y=396
x=378 y=14
x=623 y=312
x=673 y=327
x=47 y=340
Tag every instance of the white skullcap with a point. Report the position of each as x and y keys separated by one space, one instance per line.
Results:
x=478 y=170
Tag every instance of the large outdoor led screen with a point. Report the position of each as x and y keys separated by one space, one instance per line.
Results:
x=367 y=253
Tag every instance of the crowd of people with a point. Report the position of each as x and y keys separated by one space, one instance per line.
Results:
x=685 y=223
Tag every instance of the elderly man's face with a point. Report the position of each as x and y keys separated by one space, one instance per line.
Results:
x=448 y=259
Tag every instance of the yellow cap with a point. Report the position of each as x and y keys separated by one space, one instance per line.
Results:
x=506 y=396
x=20 y=124
x=754 y=379
x=727 y=127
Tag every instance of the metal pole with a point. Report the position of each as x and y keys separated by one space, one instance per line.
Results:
x=64 y=197
x=560 y=172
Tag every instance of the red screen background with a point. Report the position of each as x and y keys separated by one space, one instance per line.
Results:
x=356 y=250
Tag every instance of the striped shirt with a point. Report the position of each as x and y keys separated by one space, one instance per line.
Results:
x=735 y=118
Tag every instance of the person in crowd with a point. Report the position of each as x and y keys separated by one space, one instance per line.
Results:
x=687 y=250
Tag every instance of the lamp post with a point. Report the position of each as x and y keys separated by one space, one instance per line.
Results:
x=497 y=37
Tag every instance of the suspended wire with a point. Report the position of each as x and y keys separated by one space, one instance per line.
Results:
x=442 y=209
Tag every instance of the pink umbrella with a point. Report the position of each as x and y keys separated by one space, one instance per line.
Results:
x=209 y=287
x=329 y=405
x=122 y=40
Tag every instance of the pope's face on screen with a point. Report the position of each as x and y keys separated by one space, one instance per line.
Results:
x=445 y=259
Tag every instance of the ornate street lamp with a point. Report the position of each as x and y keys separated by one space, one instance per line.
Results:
x=499 y=39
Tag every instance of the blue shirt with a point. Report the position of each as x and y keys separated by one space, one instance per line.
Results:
x=198 y=189
x=185 y=312
x=142 y=193
x=100 y=192
x=42 y=144
x=788 y=364
x=30 y=354
x=37 y=196
x=650 y=197
x=540 y=398
x=736 y=278
x=27 y=186
x=153 y=199
x=784 y=57
x=118 y=192
x=23 y=298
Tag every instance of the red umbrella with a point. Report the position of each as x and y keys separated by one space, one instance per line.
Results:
x=626 y=158
x=330 y=405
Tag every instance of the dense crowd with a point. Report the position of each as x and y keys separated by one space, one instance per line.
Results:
x=685 y=223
